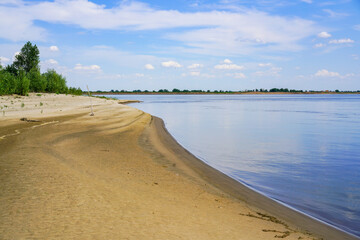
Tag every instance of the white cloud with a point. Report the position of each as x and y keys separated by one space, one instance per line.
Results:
x=51 y=61
x=324 y=35
x=239 y=75
x=4 y=60
x=357 y=27
x=216 y=31
x=307 y=1
x=171 y=64
x=319 y=45
x=227 y=61
x=229 y=67
x=139 y=75
x=54 y=48
x=273 y=71
x=264 y=64
x=15 y=54
x=15 y=2
x=326 y=73
x=195 y=74
x=341 y=41
x=334 y=14
x=195 y=65
x=93 y=68
x=149 y=67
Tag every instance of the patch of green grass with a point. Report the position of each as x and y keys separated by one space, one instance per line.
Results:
x=41 y=104
x=22 y=105
x=39 y=95
x=107 y=98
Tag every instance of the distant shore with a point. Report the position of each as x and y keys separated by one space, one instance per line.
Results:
x=120 y=175
x=217 y=93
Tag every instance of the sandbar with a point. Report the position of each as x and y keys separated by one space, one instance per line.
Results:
x=120 y=175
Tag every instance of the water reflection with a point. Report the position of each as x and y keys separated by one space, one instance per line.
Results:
x=303 y=150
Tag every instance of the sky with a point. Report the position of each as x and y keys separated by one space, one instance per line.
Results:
x=190 y=44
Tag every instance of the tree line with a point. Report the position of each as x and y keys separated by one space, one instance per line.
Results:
x=261 y=90
x=23 y=75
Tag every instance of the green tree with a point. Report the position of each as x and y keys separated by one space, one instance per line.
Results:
x=22 y=83
x=7 y=83
x=11 y=69
x=56 y=83
x=28 y=58
x=37 y=81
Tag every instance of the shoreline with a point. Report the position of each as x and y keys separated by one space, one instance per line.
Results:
x=240 y=191
x=223 y=93
x=120 y=174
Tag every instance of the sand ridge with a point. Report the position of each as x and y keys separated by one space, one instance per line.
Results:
x=73 y=176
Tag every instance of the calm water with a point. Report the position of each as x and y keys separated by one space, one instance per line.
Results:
x=303 y=150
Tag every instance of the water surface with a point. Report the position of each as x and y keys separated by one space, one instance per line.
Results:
x=302 y=150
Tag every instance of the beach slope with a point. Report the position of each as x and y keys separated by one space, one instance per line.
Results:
x=116 y=175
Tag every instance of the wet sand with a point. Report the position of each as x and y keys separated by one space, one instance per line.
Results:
x=119 y=175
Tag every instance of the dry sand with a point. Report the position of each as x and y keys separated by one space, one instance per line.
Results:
x=117 y=175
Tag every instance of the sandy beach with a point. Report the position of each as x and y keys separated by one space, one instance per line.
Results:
x=120 y=175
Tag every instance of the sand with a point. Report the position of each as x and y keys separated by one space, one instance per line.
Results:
x=119 y=175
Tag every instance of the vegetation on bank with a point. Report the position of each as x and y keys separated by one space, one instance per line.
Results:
x=23 y=75
x=260 y=91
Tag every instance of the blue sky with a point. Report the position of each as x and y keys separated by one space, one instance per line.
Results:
x=190 y=44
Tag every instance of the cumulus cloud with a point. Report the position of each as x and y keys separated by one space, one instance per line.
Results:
x=51 y=61
x=169 y=64
x=220 y=31
x=194 y=74
x=4 y=60
x=341 y=41
x=149 y=67
x=139 y=75
x=326 y=73
x=319 y=45
x=93 y=68
x=15 y=54
x=238 y=75
x=227 y=61
x=229 y=67
x=273 y=71
x=54 y=48
x=324 y=35
x=264 y=64
x=195 y=65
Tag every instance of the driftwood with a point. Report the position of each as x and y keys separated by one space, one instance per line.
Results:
x=28 y=120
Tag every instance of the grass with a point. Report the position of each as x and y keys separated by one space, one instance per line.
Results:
x=107 y=98
x=41 y=104
x=38 y=94
x=22 y=105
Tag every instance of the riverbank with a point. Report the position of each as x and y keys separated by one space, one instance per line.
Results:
x=223 y=93
x=120 y=175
